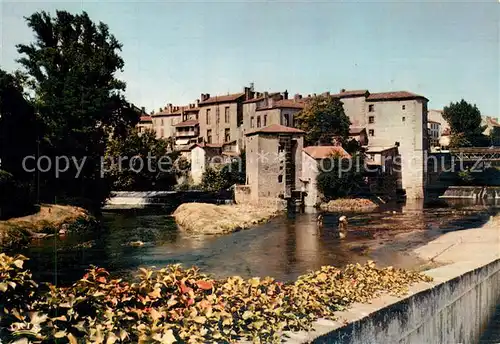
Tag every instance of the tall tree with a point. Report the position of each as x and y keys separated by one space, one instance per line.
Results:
x=322 y=119
x=18 y=134
x=72 y=68
x=465 y=123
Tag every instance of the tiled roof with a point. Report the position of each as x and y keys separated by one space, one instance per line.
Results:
x=351 y=93
x=222 y=99
x=276 y=129
x=146 y=119
x=323 y=152
x=399 y=95
x=188 y=123
x=431 y=121
x=283 y=104
x=355 y=130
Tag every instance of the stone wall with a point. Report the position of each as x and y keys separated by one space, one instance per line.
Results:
x=454 y=308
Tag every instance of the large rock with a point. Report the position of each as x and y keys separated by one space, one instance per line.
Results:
x=219 y=219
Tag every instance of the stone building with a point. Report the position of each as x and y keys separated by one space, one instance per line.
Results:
x=273 y=162
x=264 y=109
x=145 y=123
x=437 y=116
x=165 y=121
x=434 y=134
x=393 y=118
x=186 y=133
x=314 y=158
x=359 y=134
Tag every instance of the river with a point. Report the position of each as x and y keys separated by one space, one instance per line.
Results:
x=284 y=248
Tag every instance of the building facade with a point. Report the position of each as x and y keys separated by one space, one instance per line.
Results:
x=145 y=123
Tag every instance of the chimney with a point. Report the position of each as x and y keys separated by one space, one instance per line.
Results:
x=297 y=97
x=204 y=96
x=246 y=90
x=169 y=107
x=326 y=94
x=251 y=86
x=143 y=109
x=197 y=102
x=314 y=95
x=160 y=110
x=266 y=94
x=342 y=90
x=285 y=94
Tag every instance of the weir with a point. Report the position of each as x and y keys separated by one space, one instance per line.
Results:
x=472 y=192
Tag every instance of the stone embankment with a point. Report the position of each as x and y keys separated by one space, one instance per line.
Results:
x=207 y=218
x=49 y=220
x=349 y=205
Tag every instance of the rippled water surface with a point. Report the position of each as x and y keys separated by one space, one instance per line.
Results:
x=283 y=248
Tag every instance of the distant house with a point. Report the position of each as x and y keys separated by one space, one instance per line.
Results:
x=359 y=134
x=314 y=158
x=434 y=133
x=145 y=123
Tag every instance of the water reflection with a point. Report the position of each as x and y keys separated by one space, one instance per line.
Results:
x=284 y=248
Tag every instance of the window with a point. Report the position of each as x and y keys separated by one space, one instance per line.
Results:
x=265 y=120
x=217 y=115
x=161 y=132
x=280 y=178
x=208 y=116
x=404 y=119
x=403 y=107
x=371 y=108
x=251 y=122
x=371 y=119
x=286 y=120
x=162 y=121
x=226 y=114
x=371 y=132
x=258 y=121
x=227 y=135
x=209 y=136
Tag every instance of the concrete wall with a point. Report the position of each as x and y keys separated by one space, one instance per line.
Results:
x=355 y=109
x=454 y=308
x=310 y=173
x=198 y=162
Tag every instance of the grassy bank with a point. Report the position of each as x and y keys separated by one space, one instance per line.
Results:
x=182 y=305
x=49 y=220
x=220 y=219
x=349 y=205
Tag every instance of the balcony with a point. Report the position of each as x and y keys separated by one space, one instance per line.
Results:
x=186 y=133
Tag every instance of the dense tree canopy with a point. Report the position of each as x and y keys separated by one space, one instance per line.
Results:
x=141 y=162
x=71 y=69
x=323 y=118
x=18 y=134
x=465 y=124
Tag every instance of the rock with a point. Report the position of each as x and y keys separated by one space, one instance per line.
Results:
x=137 y=243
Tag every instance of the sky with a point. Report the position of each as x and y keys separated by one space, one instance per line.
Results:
x=174 y=51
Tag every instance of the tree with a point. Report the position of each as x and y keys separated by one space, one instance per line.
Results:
x=465 y=124
x=145 y=163
x=323 y=118
x=18 y=134
x=495 y=136
x=340 y=177
x=71 y=69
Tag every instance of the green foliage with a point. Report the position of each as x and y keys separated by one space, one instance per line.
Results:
x=181 y=305
x=465 y=124
x=323 y=118
x=465 y=177
x=495 y=136
x=157 y=174
x=340 y=177
x=71 y=69
x=225 y=176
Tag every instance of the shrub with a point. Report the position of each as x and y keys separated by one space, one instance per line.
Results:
x=181 y=305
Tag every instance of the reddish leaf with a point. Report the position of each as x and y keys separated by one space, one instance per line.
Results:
x=205 y=285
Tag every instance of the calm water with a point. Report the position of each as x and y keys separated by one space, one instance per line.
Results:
x=284 y=248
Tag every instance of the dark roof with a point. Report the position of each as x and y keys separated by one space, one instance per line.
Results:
x=356 y=130
x=399 y=95
x=188 y=123
x=351 y=93
x=323 y=152
x=276 y=129
x=146 y=119
x=222 y=99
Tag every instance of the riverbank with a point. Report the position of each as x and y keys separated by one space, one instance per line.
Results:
x=481 y=243
x=349 y=205
x=49 y=220
x=204 y=218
